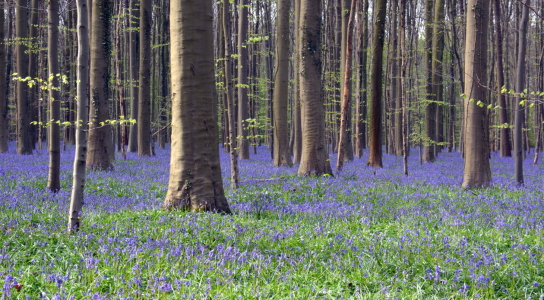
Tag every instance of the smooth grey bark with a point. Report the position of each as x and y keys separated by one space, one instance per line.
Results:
x=100 y=138
x=195 y=181
x=3 y=90
x=53 y=182
x=144 y=94
x=297 y=122
x=477 y=170
x=282 y=157
x=520 y=86
x=80 y=158
x=361 y=108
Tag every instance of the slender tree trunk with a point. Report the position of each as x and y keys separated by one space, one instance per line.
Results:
x=520 y=86
x=297 y=123
x=477 y=171
x=24 y=133
x=144 y=94
x=430 y=107
x=346 y=94
x=133 y=57
x=243 y=69
x=281 y=85
x=34 y=42
x=195 y=182
x=315 y=157
x=376 y=89
x=361 y=108
x=78 y=178
x=437 y=69
x=230 y=98
x=4 y=135
x=100 y=140
x=402 y=86
x=53 y=182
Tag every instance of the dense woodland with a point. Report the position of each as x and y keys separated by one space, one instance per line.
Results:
x=308 y=79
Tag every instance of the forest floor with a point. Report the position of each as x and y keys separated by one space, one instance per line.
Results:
x=362 y=234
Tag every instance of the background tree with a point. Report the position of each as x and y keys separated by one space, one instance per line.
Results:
x=477 y=171
x=243 y=69
x=25 y=143
x=195 y=182
x=100 y=141
x=133 y=66
x=282 y=157
x=315 y=156
x=376 y=71
x=53 y=182
x=80 y=158
x=429 y=154
x=144 y=95
x=4 y=135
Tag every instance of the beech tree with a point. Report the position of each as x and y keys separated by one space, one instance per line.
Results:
x=477 y=171
x=25 y=142
x=144 y=95
x=195 y=182
x=53 y=182
x=3 y=89
x=315 y=155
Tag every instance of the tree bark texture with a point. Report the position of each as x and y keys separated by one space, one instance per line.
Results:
x=376 y=89
x=195 y=182
x=4 y=135
x=133 y=58
x=315 y=156
x=243 y=85
x=53 y=182
x=100 y=140
x=282 y=157
x=477 y=171
x=144 y=92
x=25 y=142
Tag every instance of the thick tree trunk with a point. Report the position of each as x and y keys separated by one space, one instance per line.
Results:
x=195 y=175
x=144 y=94
x=315 y=156
x=477 y=171
x=78 y=178
x=282 y=157
x=100 y=140
x=25 y=142
x=520 y=86
x=345 y=130
x=53 y=182
x=243 y=87
x=376 y=89
x=133 y=58
x=3 y=90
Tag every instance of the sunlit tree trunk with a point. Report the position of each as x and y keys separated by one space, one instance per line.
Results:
x=144 y=94
x=78 y=177
x=477 y=171
x=3 y=90
x=282 y=157
x=195 y=182
x=53 y=182
x=315 y=156
x=100 y=141
x=376 y=89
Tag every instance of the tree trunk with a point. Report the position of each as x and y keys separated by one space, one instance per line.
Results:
x=243 y=87
x=53 y=182
x=195 y=175
x=34 y=42
x=4 y=135
x=78 y=178
x=360 y=128
x=315 y=156
x=230 y=98
x=24 y=134
x=282 y=157
x=345 y=132
x=430 y=107
x=133 y=57
x=376 y=72
x=297 y=123
x=100 y=141
x=477 y=171
x=402 y=86
x=144 y=94
x=520 y=86
x=437 y=69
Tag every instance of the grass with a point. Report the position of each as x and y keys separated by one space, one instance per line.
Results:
x=357 y=235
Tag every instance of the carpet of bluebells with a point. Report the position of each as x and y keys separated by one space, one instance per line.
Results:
x=361 y=234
